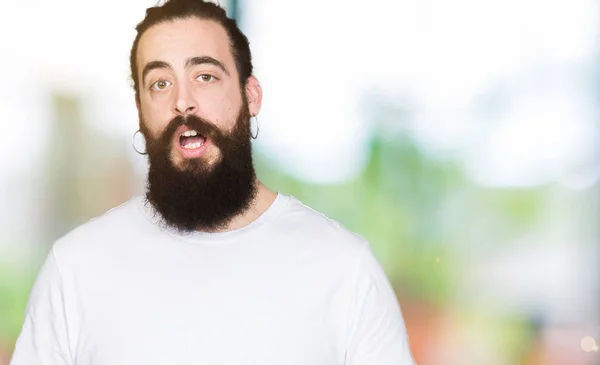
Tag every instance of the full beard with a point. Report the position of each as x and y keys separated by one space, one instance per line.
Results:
x=198 y=195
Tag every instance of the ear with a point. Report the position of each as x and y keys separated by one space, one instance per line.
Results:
x=137 y=102
x=253 y=95
x=139 y=109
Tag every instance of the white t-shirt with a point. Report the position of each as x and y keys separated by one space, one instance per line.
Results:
x=293 y=287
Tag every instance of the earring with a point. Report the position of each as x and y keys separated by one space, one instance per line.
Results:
x=133 y=144
x=257 y=127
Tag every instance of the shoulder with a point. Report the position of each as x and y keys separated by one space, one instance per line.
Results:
x=317 y=230
x=102 y=231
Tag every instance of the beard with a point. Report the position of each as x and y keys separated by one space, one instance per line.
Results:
x=199 y=195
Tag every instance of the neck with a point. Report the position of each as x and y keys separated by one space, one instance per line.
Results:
x=264 y=199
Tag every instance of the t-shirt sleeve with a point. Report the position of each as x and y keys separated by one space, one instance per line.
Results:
x=377 y=333
x=43 y=338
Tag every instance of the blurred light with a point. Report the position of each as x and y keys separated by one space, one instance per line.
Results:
x=311 y=117
x=588 y=344
x=445 y=55
x=580 y=180
x=544 y=135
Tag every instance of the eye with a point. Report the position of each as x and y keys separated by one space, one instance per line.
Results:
x=206 y=78
x=160 y=85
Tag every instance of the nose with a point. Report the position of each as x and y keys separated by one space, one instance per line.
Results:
x=184 y=102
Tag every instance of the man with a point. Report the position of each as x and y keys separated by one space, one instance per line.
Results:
x=210 y=266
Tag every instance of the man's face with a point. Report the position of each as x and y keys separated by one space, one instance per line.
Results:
x=195 y=119
x=186 y=67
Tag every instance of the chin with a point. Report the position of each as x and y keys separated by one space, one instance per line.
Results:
x=207 y=159
x=200 y=164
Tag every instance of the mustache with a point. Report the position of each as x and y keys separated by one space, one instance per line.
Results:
x=200 y=125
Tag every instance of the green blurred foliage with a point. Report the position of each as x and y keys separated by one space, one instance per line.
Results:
x=15 y=284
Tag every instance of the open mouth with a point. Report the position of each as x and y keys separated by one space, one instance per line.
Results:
x=191 y=140
x=190 y=143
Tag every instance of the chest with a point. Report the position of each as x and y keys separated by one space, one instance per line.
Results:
x=216 y=317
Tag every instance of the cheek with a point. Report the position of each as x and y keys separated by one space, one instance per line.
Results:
x=155 y=118
x=227 y=112
x=218 y=112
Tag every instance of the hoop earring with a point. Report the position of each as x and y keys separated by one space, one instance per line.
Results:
x=133 y=144
x=257 y=127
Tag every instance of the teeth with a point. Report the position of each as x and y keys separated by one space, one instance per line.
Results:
x=193 y=145
x=190 y=133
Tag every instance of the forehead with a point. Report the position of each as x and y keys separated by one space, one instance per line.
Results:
x=177 y=40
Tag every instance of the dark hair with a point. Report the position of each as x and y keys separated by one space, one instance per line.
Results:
x=182 y=9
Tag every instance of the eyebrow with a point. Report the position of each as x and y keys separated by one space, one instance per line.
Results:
x=194 y=61
x=152 y=66
x=206 y=60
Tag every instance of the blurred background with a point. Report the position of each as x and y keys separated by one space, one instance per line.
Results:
x=461 y=138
